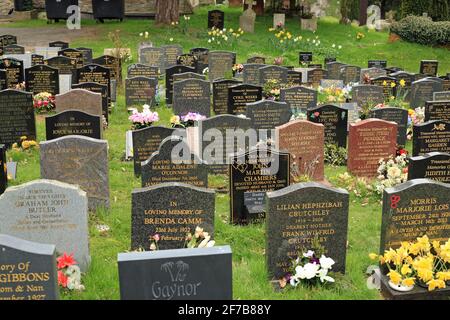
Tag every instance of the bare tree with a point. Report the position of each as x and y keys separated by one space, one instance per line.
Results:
x=167 y=11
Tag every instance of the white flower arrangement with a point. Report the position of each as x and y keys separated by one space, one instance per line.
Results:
x=391 y=172
x=311 y=270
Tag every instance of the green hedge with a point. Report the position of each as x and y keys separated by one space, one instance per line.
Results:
x=423 y=30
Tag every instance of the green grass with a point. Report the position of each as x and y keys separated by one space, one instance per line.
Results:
x=248 y=243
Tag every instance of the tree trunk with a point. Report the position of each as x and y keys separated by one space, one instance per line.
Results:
x=167 y=11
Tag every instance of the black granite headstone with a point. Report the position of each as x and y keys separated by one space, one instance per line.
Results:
x=98 y=88
x=216 y=19
x=153 y=57
x=94 y=73
x=387 y=84
x=14 y=71
x=422 y=91
x=220 y=94
x=437 y=110
x=87 y=54
x=73 y=122
x=305 y=58
x=36 y=59
x=397 y=115
x=57 y=9
x=433 y=165
x=112 y=63
x=169 y=79
x=333 y=69
x=294 y=78
x=350 y=74
x=220 y=64
x=202 y=58
x=192 y=95
x=266 y=115
x=277 y=73
x=75 y=54
x=429 y=67
x=335 y=119
x=171 y=54
x=188 y=59
x=315 y=75
x=299 y=98
x=431 y=136
x=240 y=95
x=65 y=65
x=106 y=9
x=42 y=78
x=59 y=44
x=251 y=73
x=7 y=39
x=377 y=64
x=13 y=49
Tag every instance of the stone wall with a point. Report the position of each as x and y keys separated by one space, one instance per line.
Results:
x=5 y=6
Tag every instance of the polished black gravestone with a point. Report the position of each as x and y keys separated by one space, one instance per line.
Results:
x=140 y=91
x=73 y=122
x=296 y=215
x=7 y=39
x=36 y=59
x=106 y=9
x=220 y=64
x=146 y=141
x=368 y=95
x=333 y=69
x=294 y=78
x=387 y=84
x=315 y=75
x=94 y=73
x=266 y=115
x=437 y=110
x=255 y=171
x=202 y=58
x=13 y=49
x=28 y=270
x=97 y=88
x=240 y=95
x=216 y=19
x=57 y=9
x=170 y=72
x=142 y=70
x=152 y=56
x=59 y=44
x=220 y=94
x=377 y=64
x=422 y=91
x=75 y=54
x=16 y=116
x=42 y=78
x=276 y=73
x=335 y=119
x=112 y=63
x=431 y=136
x=299 y=98
x=397 y=115
x=87 y=54
x=433 y=165
x=174 y=162
x=3 y=169
x=192 y=95
x=188 y=59
x=180 y=274
x=429 y=67
x=413 y=209
x=170 y=210
x=14 y=71
x=305 y=58
x=64 y=64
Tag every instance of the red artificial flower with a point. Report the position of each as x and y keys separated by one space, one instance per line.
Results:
x=39 y=103
x=316 y=114
x=62 y=279
x=402 y=152
x=156 y=237
x=65 y=261
x=45 y=103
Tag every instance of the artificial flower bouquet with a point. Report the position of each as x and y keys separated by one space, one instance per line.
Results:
x=199 y=239
x=420 y=262
x=415 y=117
x=24 y=144
x=334 y=94
x=392 y=171
x=43 y=102
x=69 y=273
x=187 y=120
x=272 y=89
x=144 y=119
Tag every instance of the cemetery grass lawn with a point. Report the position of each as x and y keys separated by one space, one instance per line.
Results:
x=248 y=243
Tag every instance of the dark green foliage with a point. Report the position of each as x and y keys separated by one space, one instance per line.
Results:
x=423 y=30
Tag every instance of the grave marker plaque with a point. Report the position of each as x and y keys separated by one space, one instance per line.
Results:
x=315 y=75
x=97 y=74
x=377 y=64
x=299 y=98
x=368 y=95
x=334 y=119
x=192 y=95
x=216 y=19
x=433 y=165
x=333 y=69
x=188 y=59
x=294 y=78
x=14 y=71
x=42 y=78
x=73 y=122
x=87 y=54
x=13 y=49
x=220 y=95
x=140 y=91
x=305 y=58
x=431 y=136
x=220 y=64
x=113 y=64
x=441 y=96
x=429 y=67
x=437 y=110
x=397 y=115
x=239 y=96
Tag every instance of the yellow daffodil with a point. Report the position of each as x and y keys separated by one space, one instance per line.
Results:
x=425 y=274
x=405 y=270
x=443 y=275
x=395 y=277
x=393 y=84
x=402 y=82
x=435 y=284
x=385 y=83
x=408 y=282
x=373 y=256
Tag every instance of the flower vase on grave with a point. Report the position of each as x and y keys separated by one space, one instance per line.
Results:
x=400 y=287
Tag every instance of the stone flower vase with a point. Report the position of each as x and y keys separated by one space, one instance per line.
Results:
x=308 y=24
x=400 y=287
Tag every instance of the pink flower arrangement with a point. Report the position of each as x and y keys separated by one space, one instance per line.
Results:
x=192 y=116
x=187 y=120
x=143 y=119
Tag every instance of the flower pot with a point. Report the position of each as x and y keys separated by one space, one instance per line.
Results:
x=308 y=24
x=400 y=287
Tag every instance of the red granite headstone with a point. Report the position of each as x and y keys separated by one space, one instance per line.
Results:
x=369 y=141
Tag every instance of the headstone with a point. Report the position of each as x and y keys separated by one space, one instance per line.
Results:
x=188 y=75
x=441 y=96
x=219 y=138
x=13 y=49
x=29 y=270
x=368 y=95
x=59 y=44
x=73 y=122
x=170 y=210
x=171 y=54
x=220 y=94
x=279 y=20
x=299 y=98
x=142 y=70
x=42 y=78
x=433 y=165
x=240 y=95
x=333 y=69
x=247 y=21
x=47 y=211
x=140 y=91
x=3 y=169
x=304 y=140
x=350 y=74
x=377 y=64
x=397 y=115
x=36 y=59
x=386 y=83
x=216 y=19
x=146 y=141
x=16 y=116
x=97 y=88
x=75 y=54
x=369 y=141
x=413 y=209
x=331 y=83
x=371 y=73
x=80 y=161
x=95 y=73
x=431 y=136
x=202 y=58
x=251 y=73
x=192 y=95
x=3 y=80
x=174 y=162
x=277 y=73
x=315 y=75
x=63 y=64
x=334 y=119
x=80 y=99
x=188 y=60
x=220 y=64
x=437 y=110
x=294 y=78
x=298 y=214
x=266 y=115
x=256 y=60
x=113 y=64
x=14 y=71
x=87 y=54
x=180 y=274
x=253 y=173
x=170 y=72
x=152 y=56
x=422 y=91
x=7 y=39
x=409 y=78
x=429 y=67
x=305 y=58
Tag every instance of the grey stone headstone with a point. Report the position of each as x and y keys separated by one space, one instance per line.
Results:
x=48 y=211
x=170 y=210
x=251 y=73
x=240 y=95
x=277 y=73
x=365 y=94
x=80 y=99
x=187 y=75
x=140 y=91
x=333 y=69
x=422 y=91
x=349 y=74
x=174 y=162
x=153 y=57
x=180 y=274
x=371 y=73
x=298 y=213
x=397 y=115
x=437 y=110
x=81 y=161
x=142 y=70
x=220 y=64
x=192 y=95
x=171 y=53
x=413 y=209
x=299 y=98
x=35 y=262
x=266 y=115
x=315 y=75
x=220 y=94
